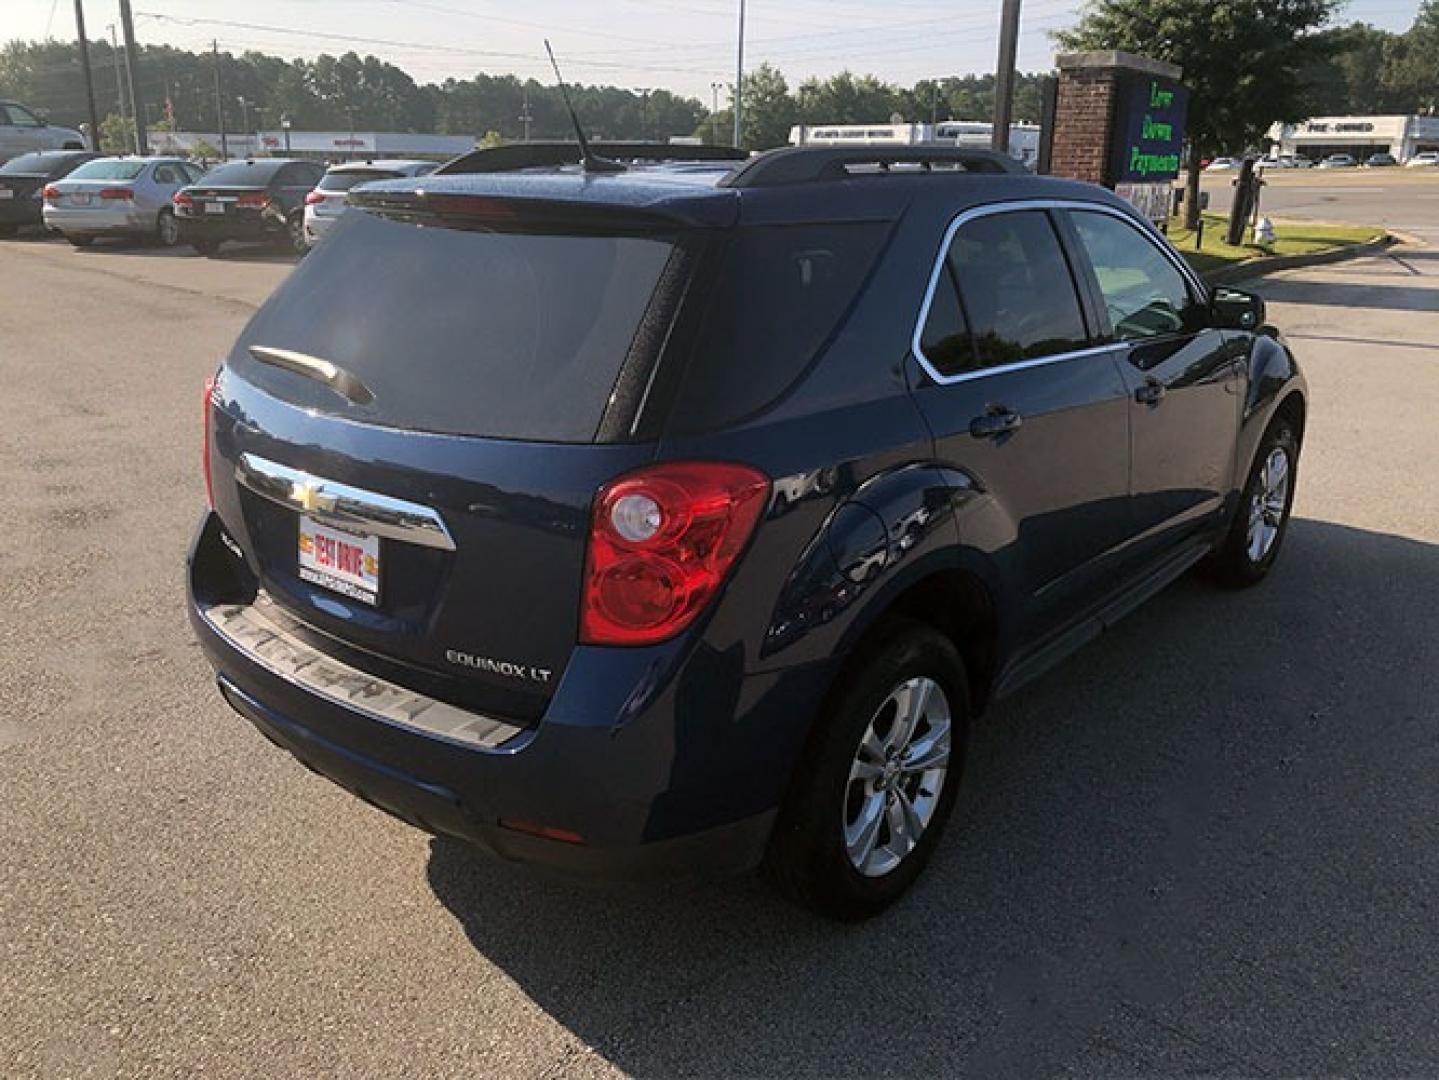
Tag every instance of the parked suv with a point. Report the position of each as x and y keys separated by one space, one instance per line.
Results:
x=258 y=201
x=686 y=515
x=22 y=130
x=329 y=200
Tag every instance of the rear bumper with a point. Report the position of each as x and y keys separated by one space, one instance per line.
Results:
x=248 y=227
x=94 y=220
x=688 y=784
x=317 y=225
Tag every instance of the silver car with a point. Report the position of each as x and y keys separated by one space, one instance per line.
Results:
x=327 y=202
x=119 y=196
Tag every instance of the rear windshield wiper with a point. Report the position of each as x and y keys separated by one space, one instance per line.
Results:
x=312 y=367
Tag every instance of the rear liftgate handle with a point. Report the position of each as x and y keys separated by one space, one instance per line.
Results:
x=997 y=420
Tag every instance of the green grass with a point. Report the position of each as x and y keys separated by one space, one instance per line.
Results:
x=1291 y=238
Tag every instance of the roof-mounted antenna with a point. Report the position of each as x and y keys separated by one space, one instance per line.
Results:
x=591 y=161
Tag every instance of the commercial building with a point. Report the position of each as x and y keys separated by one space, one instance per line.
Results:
x=1023 y=138
x=1402 y=136
x=320 y=145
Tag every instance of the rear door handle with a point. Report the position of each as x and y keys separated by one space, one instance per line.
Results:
x=1151 y=393
x=997 y=420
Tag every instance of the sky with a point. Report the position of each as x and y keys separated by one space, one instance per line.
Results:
x=686 y=45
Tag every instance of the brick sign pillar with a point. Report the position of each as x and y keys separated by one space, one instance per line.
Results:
x=1118 y=121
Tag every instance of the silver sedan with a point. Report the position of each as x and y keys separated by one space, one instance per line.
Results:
x=119 y=196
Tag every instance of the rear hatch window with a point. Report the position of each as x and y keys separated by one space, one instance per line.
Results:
x=344 y=181
x=461 y=331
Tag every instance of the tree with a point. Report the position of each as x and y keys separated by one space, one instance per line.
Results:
x=117 y=136
x=1245 y=61
x=769 y=111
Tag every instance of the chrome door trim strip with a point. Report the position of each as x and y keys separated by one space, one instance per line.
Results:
x=343 y=506
x=1010 y=207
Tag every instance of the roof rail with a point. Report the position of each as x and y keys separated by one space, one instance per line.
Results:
x=532 y=155
x=808 y=164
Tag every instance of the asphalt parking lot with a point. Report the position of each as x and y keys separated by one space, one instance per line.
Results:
x=1206 y=844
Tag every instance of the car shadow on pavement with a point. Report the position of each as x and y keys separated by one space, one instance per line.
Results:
x=1206 y=843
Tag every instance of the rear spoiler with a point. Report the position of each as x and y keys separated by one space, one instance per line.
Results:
x=511 y=213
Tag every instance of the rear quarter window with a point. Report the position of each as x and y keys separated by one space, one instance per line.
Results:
x=775 y=297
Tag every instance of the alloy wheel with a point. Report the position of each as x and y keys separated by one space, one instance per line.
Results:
x=897 y=776
x=1267 y=504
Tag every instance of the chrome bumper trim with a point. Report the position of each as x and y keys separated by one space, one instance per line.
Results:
x=257 y=630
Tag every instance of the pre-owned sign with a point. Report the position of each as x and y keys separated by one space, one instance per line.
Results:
x=1148 y=130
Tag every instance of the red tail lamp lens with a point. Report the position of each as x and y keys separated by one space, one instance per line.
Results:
x=183 y=199
x=313 y=197
x=662 y=541
x=253 y=199
x=51 y=193
x=113 y=193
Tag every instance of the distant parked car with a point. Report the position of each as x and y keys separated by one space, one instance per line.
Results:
x=1381 y=161
x=22 y=130
x=328 y=201
x=119 y=196
x=1427 y=160
x=1222 y=164
x=23 y=180
x=1338 y=161
x=259 y=200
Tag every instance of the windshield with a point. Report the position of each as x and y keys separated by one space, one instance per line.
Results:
x=116 y=169
x=344 y=181
x=33 y=163
x=465 y=332
x=243 y=174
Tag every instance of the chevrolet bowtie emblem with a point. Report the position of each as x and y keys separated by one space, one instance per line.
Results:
x=310 y=496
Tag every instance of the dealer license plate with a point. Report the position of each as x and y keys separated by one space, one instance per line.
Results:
x=344 y=562
x=214 y=208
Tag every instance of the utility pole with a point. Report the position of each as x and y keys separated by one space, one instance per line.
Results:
x=119 y=82
x=89 y=79
x=132 y=61
x=526 y=117
x=245 y=127
x=715 y=88
x=739 y=80
x=1004 y=74
x=220 y=102
x=644 y=93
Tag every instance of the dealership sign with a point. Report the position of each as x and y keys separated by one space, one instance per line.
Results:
x=1148 y=129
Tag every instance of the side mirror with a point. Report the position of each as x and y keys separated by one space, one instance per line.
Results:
x=1236 y=310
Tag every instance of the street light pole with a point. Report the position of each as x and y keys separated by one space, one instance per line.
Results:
x=245 y=126
x=1004 y=75
x=119 y=82
x=739 y=80
x=132 y=61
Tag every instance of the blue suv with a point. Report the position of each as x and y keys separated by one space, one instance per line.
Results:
x=683 y=515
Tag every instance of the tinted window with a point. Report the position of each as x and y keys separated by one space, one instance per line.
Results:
x=166 y=173
x=344 y=181
x=194 y=172
x=465 y=332
x=1016 y=289
x=35 y=164
x=19 y=116
x=778 y=294
x=946 y=342
x=243 y=174
x=113 y=169
x=299 y=176
x=1144 y=293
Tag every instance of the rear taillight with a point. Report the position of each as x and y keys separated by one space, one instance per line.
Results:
x=183 y=199
x=253 y=200
x=314 y=197
x=114 y=193
x=52 y=193
x=661 y=542
x=205 y=445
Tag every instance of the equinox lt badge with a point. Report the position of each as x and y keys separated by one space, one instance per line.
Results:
x=499 y=667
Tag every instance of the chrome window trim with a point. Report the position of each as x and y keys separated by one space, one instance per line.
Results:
x=342 y=505
x=1016 y=206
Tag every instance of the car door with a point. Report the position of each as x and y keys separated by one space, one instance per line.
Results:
x=1183 y=374
x=1021 y=401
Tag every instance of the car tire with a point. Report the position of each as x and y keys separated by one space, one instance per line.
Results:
x=207 y=248
x=78 y=240
x=853 y=786
x=1251 y=546
x=167 y=229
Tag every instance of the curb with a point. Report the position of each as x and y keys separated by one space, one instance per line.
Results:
x=1268 y=264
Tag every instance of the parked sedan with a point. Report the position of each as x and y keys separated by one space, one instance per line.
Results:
x=1338 y=161
x=23 y=180
x=119 y=196
x=1381 y=161
x=1222 y=164
x=328 y=201
x=259 y=200
x=1427 y=160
